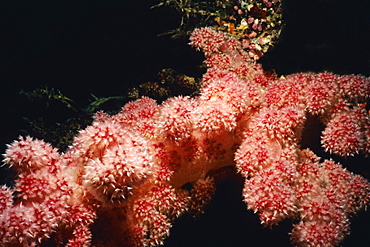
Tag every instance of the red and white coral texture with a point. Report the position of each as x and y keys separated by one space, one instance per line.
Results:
x=128 y=176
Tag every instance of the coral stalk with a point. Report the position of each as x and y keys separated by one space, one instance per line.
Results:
x=127 y=177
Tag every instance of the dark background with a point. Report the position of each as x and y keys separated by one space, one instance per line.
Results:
x=104 y=47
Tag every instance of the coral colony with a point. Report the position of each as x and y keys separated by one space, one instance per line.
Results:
x=133 y=173
x=127 y=177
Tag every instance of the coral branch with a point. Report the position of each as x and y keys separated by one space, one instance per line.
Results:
x=127 y=177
